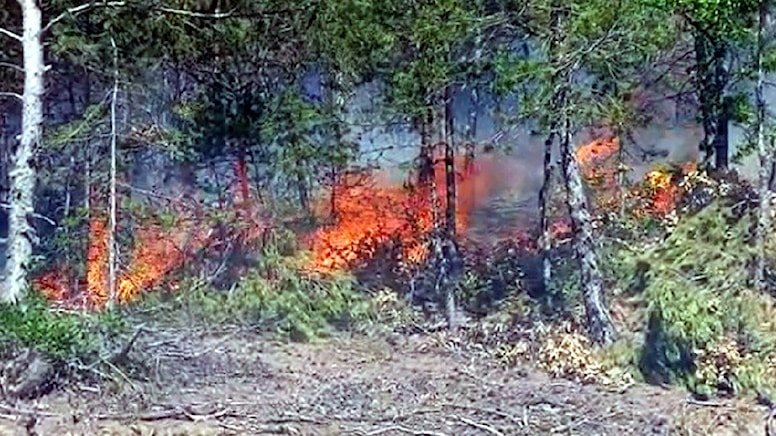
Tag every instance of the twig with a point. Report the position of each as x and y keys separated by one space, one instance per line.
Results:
x=122 y=354
x=185 y=13
x=403 y=429
x=34 y=214
x=479 y=425
x=74 y=11
x=12 y=66
x=16 y=411
x=173 y=413
x=494 y=412
x=10 y=34
x=148 y=416
x=214 y=346
x=12 y=95
x=706 y=403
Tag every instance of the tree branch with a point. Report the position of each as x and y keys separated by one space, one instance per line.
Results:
x=34 y=214
x=12 y=66
x=74 y=11
x=186 y=13
x=77 y=10
x=12 y=95
x=10 y=34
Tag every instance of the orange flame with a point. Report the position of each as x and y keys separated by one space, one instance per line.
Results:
x=156 y=253
x=372 y=215
x=594 y=160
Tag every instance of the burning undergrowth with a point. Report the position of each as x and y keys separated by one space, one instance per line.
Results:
x=163 y=242
x=380 y=232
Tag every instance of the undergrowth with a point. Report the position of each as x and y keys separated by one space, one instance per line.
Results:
x=63 y=337
x=705 y=327
x=279 y=295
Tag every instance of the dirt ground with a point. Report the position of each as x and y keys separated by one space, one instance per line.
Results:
x=236 y=382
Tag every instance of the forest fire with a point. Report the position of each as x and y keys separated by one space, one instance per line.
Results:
x=369 y=216
x=157 y=251
x=663 y=190
x=660 y=192
x=373 y=215
x=593 y=159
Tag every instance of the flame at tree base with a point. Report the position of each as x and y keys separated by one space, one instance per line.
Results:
x=372 y=214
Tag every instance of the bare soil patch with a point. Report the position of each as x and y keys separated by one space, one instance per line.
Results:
x=237 y=382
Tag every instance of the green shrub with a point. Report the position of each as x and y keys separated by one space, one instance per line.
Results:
x=61 y=336
x=279 y=296
x=698 y=299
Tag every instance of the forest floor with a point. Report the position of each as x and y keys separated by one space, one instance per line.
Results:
x=239 y=382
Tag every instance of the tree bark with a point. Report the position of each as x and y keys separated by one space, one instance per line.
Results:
x=764 y=152
x=426 y=158
x=450 y=190
x=471 y=131
x=598 y=321
x=301 y=188
x=450 y=251
x=21 y=234
x=711 y=79
x=545 y=242
x=112 y=246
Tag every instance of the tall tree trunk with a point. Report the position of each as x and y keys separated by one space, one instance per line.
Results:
x=545 y=242
x=599 y=323
x=21 y=234
x=241 y=174
x=450 y=203
x=471 y=131
x=704 y=82
x=449 y=249
x=722 y=114
x=764 y=152
x=711 y=79
x=336 y=110
x=426 y=167
x=112 y=246
x=545 y=193
x=302 y=190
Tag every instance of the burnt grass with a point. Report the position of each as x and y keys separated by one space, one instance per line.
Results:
x=236 y=381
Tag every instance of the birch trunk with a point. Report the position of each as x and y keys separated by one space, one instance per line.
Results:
x=599 y=323
x=21 y=233
x=545 y=242
x=766 y=161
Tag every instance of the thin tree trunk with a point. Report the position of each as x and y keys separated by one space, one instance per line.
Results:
x=471 y=131
x=711 y=78
x=545 y=192
x=545 y=242
x=426 y=167
x=449 y=239
x=302 y=190
x=88 y=180
x=336 y=110
x=704 y=84
x=449 y=165
x=21 y=233
x=722 y=113
x=112 y=246
x=764 y=152
x=599 y=323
